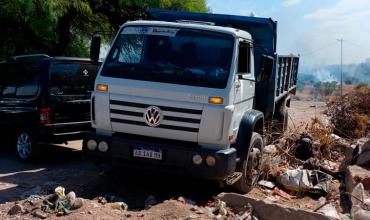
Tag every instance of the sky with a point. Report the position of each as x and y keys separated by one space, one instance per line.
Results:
x=311 y=27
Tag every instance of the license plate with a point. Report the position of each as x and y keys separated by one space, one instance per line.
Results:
x=142 y=152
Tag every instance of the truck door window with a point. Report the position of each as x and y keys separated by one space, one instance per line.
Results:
x=244 y=58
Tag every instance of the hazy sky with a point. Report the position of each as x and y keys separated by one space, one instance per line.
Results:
x=311 y=27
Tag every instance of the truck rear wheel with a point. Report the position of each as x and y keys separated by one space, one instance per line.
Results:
x=251 y=166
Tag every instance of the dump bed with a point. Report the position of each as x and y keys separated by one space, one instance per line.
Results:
x=275 y=74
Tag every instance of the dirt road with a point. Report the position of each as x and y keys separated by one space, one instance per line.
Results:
x=64 y=166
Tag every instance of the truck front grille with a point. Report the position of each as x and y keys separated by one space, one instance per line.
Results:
x=174 y=118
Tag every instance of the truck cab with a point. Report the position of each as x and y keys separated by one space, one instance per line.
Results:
x=179 y=96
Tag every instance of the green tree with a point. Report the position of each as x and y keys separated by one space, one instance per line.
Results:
x=64 y=27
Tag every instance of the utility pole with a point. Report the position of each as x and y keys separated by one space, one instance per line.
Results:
x=341 y=66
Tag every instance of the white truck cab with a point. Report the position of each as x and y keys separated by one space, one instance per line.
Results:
x=179 y=96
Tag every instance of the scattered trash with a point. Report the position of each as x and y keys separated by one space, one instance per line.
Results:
x=60 y=203
x=119 y=205
x=150 y=201
x=267 y=184
x=281 y=193
x=39 y=214
x=303 y=180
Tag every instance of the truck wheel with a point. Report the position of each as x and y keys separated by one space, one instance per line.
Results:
x=25 y=146
x=251 y=166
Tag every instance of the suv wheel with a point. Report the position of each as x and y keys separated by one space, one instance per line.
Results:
x=26 y=147
x=251 y=166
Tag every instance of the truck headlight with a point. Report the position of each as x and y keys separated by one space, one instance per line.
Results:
x=103 y=146
x=91 y=144
x=197 y=159
x=211 y=161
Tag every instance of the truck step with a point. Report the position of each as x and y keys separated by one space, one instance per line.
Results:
x=233 y=178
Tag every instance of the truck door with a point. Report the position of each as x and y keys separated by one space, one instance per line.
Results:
x=244 y=86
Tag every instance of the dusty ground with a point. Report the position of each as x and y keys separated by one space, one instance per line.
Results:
x=64 y=166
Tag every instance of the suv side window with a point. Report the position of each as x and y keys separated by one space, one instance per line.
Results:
x=244 y=61
x=72 y=78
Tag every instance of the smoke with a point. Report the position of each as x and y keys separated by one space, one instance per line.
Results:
x=352 y=73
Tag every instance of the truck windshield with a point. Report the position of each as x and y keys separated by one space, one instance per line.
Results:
x=171 y=55
x=18 y=80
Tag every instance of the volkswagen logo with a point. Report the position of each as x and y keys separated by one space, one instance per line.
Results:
x=153 y=116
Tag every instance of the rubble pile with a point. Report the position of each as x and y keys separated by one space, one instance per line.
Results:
x=350 y=114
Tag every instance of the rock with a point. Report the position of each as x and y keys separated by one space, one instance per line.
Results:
x=150 y=201
x=330 y=211
x=181 y=199
x=363 y=158
x=71 y=196
x=40 y=214
x=16 y=209
x=358 y=212
x=78 y=203
x=266 y=210
x=355 y=175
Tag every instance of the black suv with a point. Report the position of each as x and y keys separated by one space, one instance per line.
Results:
x=45 y=100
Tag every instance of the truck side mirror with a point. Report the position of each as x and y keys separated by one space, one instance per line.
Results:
x=266 y=67
x=95 y=48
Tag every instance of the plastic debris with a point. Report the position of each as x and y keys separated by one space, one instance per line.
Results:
x=119 y=205
x=302 y=180
x=266 y=184
x=281 y=193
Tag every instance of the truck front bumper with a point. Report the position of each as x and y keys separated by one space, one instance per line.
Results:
x=175 y=159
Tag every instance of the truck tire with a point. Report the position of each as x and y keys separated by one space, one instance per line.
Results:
x=251 y=166
x=26 y=147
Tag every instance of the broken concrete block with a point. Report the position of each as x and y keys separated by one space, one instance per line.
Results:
x=266 y=210
x=355 y=175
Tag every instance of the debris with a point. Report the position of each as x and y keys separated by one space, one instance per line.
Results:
x=329 y=210
x=40 y=214
x=281 y=193
x=355 y=175
x=119 y=206
x=267 y=210
x=363 y=156
x=303 y=148
x=150 y=201
x=267 y=184
x=303 y=180
x=270 y=149
x=360 y=203
x=16 y=209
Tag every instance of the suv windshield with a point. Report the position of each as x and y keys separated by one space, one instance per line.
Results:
x=171 y=55
x=18 y=80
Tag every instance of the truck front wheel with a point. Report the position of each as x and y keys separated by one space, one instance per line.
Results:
x=251 y=166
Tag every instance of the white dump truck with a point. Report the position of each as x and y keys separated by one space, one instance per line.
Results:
x=191 y=93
